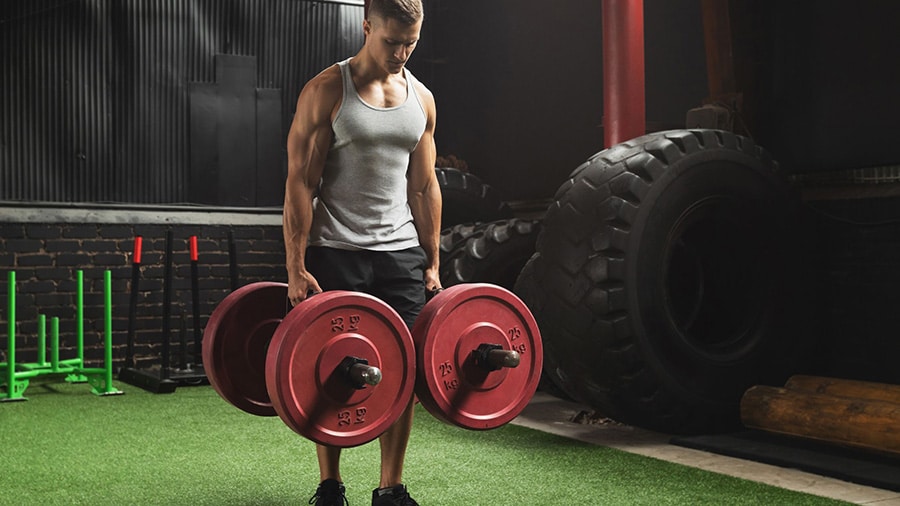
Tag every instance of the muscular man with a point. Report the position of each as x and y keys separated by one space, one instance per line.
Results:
x=362 y=205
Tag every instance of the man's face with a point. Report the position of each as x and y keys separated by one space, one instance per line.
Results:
x=391 y=42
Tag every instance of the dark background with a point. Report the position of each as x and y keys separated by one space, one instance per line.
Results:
x=189 y=102
x=176 y=101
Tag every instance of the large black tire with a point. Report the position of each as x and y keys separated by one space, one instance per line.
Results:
x=492 y=252
x=467 y=200
x=666 y=280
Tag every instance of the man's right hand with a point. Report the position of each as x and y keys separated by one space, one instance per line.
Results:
x=301 y=286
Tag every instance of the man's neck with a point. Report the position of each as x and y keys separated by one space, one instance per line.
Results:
x=366 y=70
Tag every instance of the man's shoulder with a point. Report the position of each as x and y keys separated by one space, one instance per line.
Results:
x=423 y=90
x=425 y=95
x=327 y=81
x=419 y=85
x=320 y=96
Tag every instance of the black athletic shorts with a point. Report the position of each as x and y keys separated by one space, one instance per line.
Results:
x=395 y=277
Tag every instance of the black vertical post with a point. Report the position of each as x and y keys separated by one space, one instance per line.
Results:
x=195 y=292
x=132 y=306
x=232 y=260
x=167 y=308
x=183 y=364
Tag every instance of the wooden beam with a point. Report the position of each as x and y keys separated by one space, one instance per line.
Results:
x=845 y=388
x=858 y=418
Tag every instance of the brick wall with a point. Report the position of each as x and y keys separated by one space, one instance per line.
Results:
x=857 y=257
x=46 y=256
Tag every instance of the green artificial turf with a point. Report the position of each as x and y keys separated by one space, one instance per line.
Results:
x=66 y=446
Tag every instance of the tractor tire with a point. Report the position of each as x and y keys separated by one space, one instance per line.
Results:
x=667 y=280
x=467 y=200
x=493 y=253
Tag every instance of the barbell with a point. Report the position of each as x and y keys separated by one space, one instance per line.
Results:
x=341 y=367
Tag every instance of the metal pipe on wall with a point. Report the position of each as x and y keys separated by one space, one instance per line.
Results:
x=624 y=108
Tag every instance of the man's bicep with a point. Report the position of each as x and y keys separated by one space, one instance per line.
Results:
x=421 y=167
x=423 y=158
x=310 y=135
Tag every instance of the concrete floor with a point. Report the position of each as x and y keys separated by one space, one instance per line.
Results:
x=550 y=414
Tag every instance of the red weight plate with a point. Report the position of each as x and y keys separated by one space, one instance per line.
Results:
x=448 y=382
x=303 y=374
x=235 y=342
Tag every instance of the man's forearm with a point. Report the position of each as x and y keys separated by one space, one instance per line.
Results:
x=297 y=221
x=426 y=211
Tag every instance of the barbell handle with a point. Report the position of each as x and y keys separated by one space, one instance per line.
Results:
x=363 y=374
x=492 y=357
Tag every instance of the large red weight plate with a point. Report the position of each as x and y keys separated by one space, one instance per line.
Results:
x=235 y=342
x=303 y=374
x=451 y=326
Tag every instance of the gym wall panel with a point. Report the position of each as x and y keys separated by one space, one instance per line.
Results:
x=95 y=93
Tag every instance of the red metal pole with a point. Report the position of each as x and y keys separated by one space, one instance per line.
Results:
x=624 y=109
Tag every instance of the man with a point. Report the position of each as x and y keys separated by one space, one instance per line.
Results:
x=362 y=143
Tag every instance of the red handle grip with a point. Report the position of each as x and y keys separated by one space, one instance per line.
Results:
x=136 y=256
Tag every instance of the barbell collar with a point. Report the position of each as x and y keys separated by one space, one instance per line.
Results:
x=359 y=373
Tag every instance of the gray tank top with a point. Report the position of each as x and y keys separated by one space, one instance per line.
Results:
x=362 y=202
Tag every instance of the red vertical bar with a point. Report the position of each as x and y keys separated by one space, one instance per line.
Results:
x=624 y=114
x=193 y=248
x=136 y=254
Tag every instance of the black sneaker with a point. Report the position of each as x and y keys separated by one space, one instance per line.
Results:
x=329 y=493
x=393 y=496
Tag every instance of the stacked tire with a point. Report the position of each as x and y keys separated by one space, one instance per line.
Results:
x=668 y=279
x=466 y=199
x=480 y=242
x=492 y=252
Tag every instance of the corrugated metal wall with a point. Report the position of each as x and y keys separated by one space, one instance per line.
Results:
x=94 y=93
